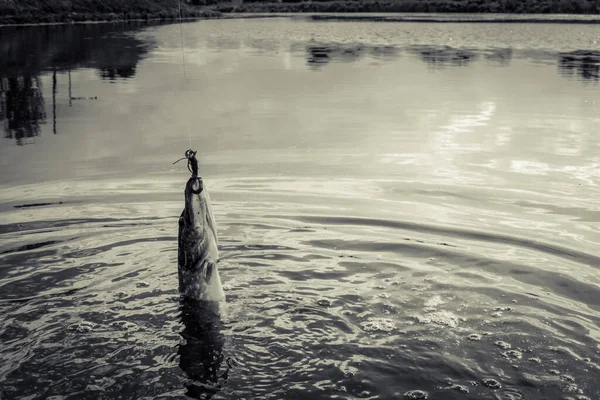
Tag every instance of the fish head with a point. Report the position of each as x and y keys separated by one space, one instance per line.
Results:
x=197 y=213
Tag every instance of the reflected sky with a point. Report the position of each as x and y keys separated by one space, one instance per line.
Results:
x=417 y=93
x=115 y=50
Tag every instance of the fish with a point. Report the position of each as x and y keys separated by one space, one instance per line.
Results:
x=198 y=252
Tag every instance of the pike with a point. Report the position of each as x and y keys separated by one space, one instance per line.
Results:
x=197 y=241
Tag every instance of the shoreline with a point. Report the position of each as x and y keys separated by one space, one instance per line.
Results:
x=520 y=7
x=442 y=11
x=442 y=18
x=460 y=18
x=54 y=12
x=428 y=17
x=114 y=21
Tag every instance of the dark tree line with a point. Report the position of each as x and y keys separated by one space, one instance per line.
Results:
x=438 y=6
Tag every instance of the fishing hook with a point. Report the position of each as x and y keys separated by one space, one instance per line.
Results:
x=192 y=165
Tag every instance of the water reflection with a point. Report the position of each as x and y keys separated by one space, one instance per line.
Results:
x=115 y=73
x=500 y=57
x=22 y=107
x=318 y=55
x=439 y=57
x=28 y=53
x=202 y=354
x=580 y=64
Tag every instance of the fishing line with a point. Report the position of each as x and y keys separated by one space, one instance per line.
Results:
x=183 y=64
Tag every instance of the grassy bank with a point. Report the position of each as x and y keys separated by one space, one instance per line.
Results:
x=37 y=11
x=439 y=6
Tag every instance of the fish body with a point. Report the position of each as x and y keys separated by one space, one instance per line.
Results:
x=197 y=246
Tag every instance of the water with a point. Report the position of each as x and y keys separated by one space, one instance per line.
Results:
x=404 y=209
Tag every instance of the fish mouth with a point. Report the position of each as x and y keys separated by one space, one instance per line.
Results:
x=194 y=186
x=195 y=205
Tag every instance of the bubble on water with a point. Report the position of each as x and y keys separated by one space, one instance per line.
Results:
x=415 y=394
x=460 y=388
x=535 y=360
x=123 y=325
x=496 y=314
x=434 y=301
x=568 y=378
x=381 y=287
x=383 y=295
x=581 y=397
x=324 y=302
x=554 y=372
x=120 y=295
x=474 y=337
x=569 y=387
x=388 y=308
x=364 y=393
x=142 y=284
x=503 y=345
x=491 y=383
x=378 y=325
x=513 y=354
x=445 y=318
x=82 y=327
x=347 y=312
x=503 y=309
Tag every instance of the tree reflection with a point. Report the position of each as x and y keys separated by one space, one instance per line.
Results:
x=201 y=356
x=22 y=107
x=500 y=57
x=29 y=53
x=115 y=73
x=584 y=65
x=439 y=57
x=319 y=55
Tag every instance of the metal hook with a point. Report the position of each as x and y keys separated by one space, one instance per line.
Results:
x=190 y=155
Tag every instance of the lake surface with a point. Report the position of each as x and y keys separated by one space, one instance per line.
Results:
x=405 y=209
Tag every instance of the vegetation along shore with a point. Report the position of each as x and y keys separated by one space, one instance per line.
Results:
x=38 y=11
x=49 y=11
x=421 y=6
